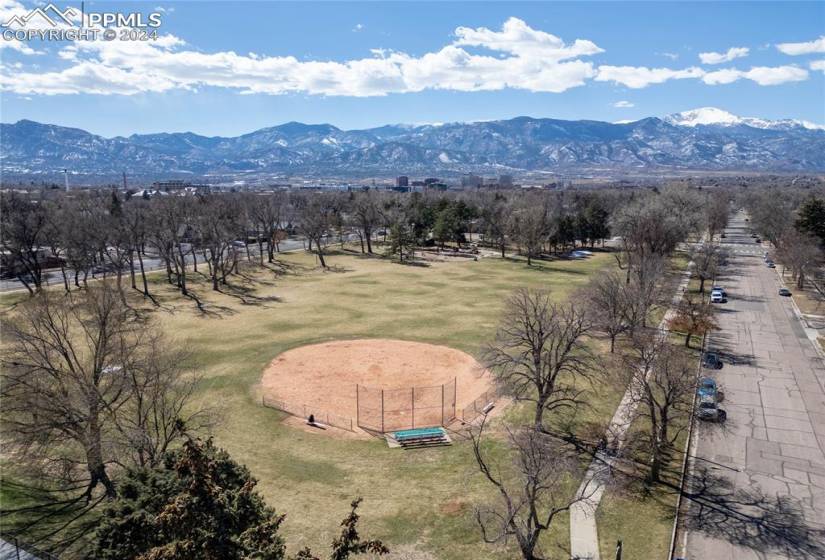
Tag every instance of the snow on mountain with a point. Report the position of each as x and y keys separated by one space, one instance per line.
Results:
x=706 y=139
x=712 y=116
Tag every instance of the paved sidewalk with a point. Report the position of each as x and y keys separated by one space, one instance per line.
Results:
x=584 y=535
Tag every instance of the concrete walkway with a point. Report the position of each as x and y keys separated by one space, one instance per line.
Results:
x=584 y=535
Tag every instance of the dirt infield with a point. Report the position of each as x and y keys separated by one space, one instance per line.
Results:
x=323 y=377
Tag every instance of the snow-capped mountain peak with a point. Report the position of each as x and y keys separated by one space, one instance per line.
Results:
x=719 y=117
x=703 y=115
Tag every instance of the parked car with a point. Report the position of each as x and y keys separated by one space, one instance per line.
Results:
x=709 y=410
x=719 y=289
x=765 y=257
x=707 y=388
x=770 y=264
x=724 y=236
x=711 y=361
x=784 y=292
x=753 y=235
x=758 y=240
x=717 y=297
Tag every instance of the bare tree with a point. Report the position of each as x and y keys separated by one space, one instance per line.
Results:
x=158 y=411
x=134 y=215
x=661 y=380
x=266 y=212
x=530 y=226
x=717 y=210
x=71 y=367
x=22 y=226
x=53 y=233
x=800 y=252
x=607 y=297
x=315 y=216
x=707 y=258
x=650 y=228
x=531 y=493
x=539 y=354
x=367 y=215
x=643 y=291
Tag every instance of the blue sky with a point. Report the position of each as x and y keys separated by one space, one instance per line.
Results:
x=229 y=68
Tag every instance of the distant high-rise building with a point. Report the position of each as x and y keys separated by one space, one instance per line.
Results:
x=402 y=181
x=505 y=180
x=471 y=180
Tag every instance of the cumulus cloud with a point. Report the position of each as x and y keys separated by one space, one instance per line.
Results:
x=718 y=58
x=637 y=77
x=818 y=65
x=525 y=59
x=809 y=47
x=762 y=75
x=515 y=56
x=623 y=104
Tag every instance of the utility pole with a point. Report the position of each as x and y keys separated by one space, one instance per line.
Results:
x=66 y=179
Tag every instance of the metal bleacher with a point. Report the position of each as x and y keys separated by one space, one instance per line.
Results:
x=421 y=437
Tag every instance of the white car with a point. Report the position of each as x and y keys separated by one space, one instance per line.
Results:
x=717 y=297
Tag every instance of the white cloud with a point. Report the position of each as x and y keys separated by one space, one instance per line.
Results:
x=623 y=104
x=636 y=77
x=524 y=58
x=762 y=75
x=809 y=47
x=719 y=58
x=670 y=55
x=358 y=27
x=515 y=56
x=518 y=38
x=818 y=65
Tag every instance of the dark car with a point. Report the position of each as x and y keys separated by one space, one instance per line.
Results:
x=711 y=361
x=707 y=388
x=770 y=264
x=784 y=292
x=709 y=410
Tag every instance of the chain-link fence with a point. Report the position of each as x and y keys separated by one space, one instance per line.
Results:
x=304 y=411
x=388 y=410
x=479 y=406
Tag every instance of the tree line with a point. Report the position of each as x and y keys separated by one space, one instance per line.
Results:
x=91 y=234
x=543 y=355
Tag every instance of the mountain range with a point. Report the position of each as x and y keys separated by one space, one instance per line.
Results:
x=702 y=139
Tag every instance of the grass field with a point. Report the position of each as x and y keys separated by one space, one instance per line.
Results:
x=419 y=502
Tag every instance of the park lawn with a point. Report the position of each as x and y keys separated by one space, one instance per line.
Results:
x=420 y=503
x=651 y=508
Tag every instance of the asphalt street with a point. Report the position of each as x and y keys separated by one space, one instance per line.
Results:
x=772 y=444
x=52 y=277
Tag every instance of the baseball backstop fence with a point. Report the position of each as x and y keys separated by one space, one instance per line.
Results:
x=388 y=410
